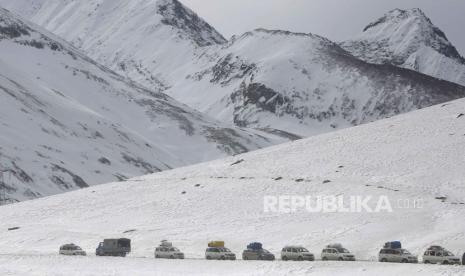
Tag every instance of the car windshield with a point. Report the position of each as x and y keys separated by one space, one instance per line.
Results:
x=343 y=250
x=174 y=249
x=302 y=249
x=225 y=250
x=405 y=252
x=265 y=251
x=448 y=253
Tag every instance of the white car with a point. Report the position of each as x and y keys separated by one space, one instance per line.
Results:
x=397 y=255
x=72 y=250
x=337 y=254
x=168 y=252
x=219 y=253
x=439 y=255
x=296 y=253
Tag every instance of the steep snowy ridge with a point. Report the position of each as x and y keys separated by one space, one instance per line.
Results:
x=67 y=122
x=147 y=40
x=409 y=39
x=415 y=156
x=304 y=84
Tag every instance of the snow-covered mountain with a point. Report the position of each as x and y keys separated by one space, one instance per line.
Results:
x=67 y=122
x=276 y=81
x=408 y=38
x=149 y=41
x=304 y=84
x=415 y=157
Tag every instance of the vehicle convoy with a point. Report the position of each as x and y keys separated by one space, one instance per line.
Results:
x=72 y=250
x=394 y=253
x=336 y=252
x=438 y=255
x=217 y=251
x=166 y=250
x=255 y=251
x=114 y=247
x=296 y=253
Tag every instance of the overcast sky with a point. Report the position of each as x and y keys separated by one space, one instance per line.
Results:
x=335 y=19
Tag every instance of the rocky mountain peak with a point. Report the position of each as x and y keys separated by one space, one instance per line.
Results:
x=179 y=16
x=409 y=30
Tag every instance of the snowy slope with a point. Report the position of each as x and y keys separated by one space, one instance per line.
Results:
x=409 y=39
x=92 y=266
x=416 y=156
x=67 y=122
x=277 y=81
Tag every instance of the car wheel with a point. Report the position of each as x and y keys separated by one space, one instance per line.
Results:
x=341 y=259
x=427 y=262
x=325 y=259
x=300 y=258
x=245 y=258
x=223 y=258
x=285 y=259
x=404 y=261
x=171 y=257
x=209 y=258
x=383 y=260
x=445 y=262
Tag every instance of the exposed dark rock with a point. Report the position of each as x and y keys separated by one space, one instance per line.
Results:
x=140 y=163
x=237 y=162
x=76 y=179
x=180 y=17
x=104 y=161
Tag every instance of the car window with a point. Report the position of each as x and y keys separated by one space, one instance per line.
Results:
x=294 y=250
x=439 y=254
x=448 y=253
x=303 y=250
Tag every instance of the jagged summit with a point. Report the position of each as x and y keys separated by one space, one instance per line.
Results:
x=413 y=28
x=409 y=39
x=177 y=15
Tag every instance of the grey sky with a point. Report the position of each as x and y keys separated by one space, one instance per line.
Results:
x=335 y=19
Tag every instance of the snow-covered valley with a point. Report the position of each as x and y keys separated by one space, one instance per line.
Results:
x=199 y=138
x=419 y=155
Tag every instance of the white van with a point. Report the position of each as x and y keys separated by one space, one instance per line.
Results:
x=219 y=253
x=71 y=250
x=439 y=255
x=336 y=253
x=397 y=255
x=296 y=253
